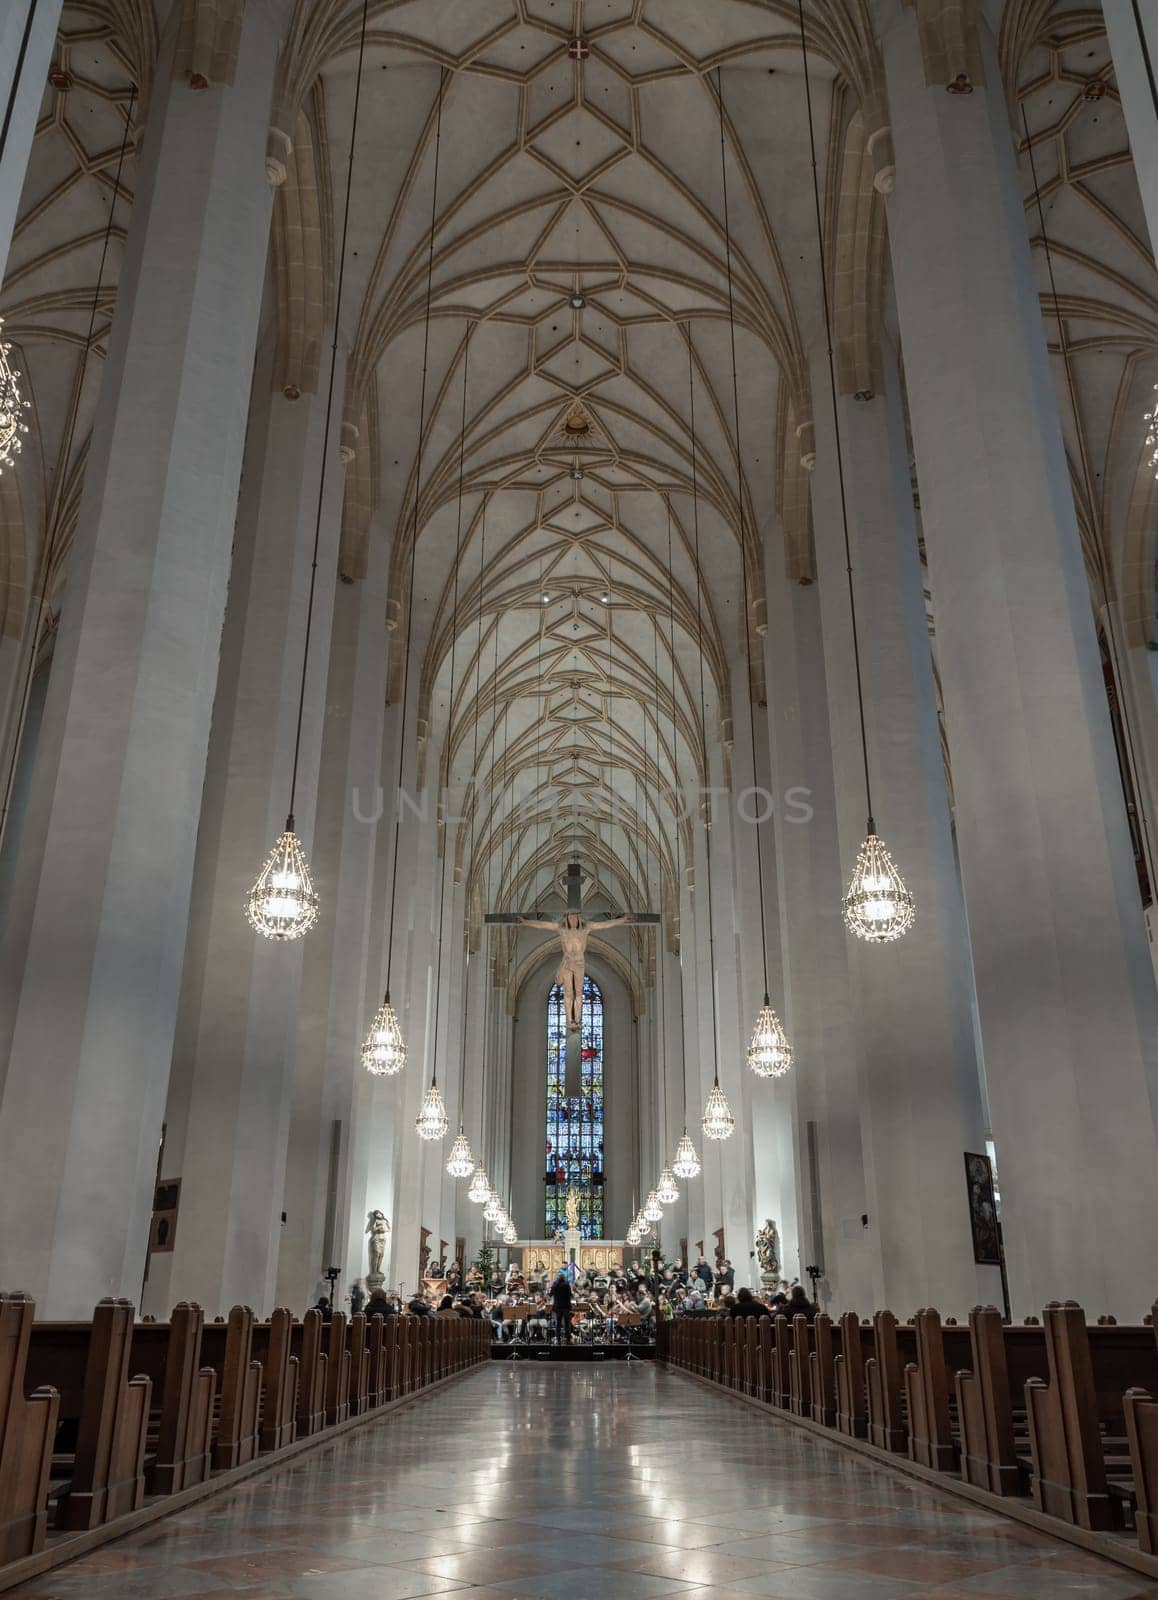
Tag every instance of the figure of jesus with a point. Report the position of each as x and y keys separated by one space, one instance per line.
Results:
x=377 y=1228
x=573 y=936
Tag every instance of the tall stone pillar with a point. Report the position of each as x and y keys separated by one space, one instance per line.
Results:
x=332 y=1093
x=91 y=965
x=1132 y=26
x=824 y=1228
x=1066 y=996
x=231 y=1090
x=919 y=1089
x=27 y=35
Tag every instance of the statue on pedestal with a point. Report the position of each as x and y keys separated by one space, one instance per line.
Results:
x=768 y=1253
x=572 y=1210
x=378 y=1230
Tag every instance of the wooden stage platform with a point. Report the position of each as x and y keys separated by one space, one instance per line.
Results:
x=572 y=1352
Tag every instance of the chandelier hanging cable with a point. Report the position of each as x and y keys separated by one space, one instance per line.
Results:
x=460 y=1162
x=686 y=1163
x=878 y=908
x=432 y=1122
x=667 y=1190
x=55 y=520
x=717 y=1121
x=283 y=903
x=769 y=1053
x=480 y=1183
x=384 y=1052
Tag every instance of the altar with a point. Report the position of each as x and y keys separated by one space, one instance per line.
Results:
x=546 y=1257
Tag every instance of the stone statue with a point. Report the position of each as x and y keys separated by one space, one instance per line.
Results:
x=572 y=1210
x=573 y=936
x=378 y=1228
x=768 y=1252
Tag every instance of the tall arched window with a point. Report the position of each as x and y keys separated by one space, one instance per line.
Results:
x=575 y=1121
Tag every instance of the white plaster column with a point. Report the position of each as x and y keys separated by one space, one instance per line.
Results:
x=342 y=985
x=919 y=1087
x=231 y=1090
x=824 y=1226
x=1066 y=996
x=91 y=966
x=753 y=934
x=1132 y=26
x=416 y=1164
x=27 y=35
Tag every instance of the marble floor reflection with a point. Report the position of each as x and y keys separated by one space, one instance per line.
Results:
x=585 y=1483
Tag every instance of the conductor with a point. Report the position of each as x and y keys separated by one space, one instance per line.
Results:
x=561 y=1296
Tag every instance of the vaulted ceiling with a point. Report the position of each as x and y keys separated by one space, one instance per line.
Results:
x=548 y=438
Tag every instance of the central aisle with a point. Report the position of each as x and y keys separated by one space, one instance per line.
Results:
x=584 y=1483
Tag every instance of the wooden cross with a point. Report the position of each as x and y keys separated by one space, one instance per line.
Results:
x=574 y=903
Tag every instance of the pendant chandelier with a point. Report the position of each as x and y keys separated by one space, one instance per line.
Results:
x=12 y=407
x=431 y=1122
x=717 y=1121
x=510 y=1233
x=384 y=1053
x=633 y=1235
x=877 y=907
x=652 y=1210
x=405 y=697
x=283 y=904
x=480 y=1188
x=769 y=1054
x=493 y=1209
x=460 y=1162
x=686 y=1163
x=666 y=1190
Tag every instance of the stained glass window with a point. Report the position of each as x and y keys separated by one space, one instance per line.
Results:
x=575 y=1122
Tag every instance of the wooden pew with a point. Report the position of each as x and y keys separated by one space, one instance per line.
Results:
x=931 y=1438
x=393 y=1339
x=822 y=1372
x=728 y=1352
x=337 y=1369
x=1141 y=1416
x=272 y=1347
x=991 y=1400
x=851 y=1403
x=98 y=1467
x=781 y=1346
x=886 y=1427
x=27 y=1431
x=177 y=1454
x=227 y=1347
x=799 y=1369
x=359 y=1390
x=307 y=1346
x=378 y=1361
x=1079 y=1449
x=764 y=1338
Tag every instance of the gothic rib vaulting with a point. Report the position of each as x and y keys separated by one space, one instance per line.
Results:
x=461 y=425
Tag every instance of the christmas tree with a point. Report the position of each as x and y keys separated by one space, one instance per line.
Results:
x=485 y=1262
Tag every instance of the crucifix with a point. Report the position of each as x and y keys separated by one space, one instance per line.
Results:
x=574 y=932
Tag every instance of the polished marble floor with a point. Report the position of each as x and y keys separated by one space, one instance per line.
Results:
x=585 y=1483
